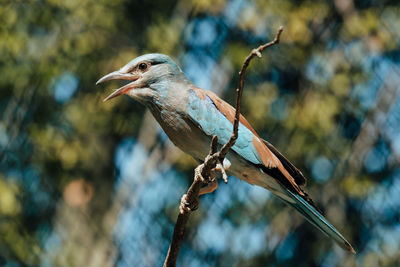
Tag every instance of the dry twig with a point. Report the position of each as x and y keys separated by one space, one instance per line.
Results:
x=203 y=171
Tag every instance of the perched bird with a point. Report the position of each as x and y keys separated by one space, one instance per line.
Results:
x=190 y=116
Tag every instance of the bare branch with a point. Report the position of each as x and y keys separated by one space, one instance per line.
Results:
x=203 y=171
x=255 y=52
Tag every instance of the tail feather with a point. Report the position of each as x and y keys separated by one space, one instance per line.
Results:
x=315 y=218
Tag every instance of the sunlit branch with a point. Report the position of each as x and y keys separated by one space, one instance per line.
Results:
x=203 y=171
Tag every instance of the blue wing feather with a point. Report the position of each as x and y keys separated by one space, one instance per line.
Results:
x=213 y=122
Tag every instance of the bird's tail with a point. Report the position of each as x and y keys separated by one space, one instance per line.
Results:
x=315 y=218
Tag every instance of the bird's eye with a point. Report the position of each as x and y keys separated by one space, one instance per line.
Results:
x=142 y=66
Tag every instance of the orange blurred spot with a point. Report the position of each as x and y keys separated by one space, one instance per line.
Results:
x=78 y=192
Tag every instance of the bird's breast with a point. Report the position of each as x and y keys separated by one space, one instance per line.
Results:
x=172 y=116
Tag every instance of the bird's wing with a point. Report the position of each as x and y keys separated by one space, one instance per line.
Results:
x=229 y=112
x=249 y=145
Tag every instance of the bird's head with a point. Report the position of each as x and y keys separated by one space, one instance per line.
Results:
x=145 y=73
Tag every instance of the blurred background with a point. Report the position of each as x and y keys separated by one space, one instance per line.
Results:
x=87 y=183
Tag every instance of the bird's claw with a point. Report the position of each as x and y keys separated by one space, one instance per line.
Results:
x=186 y=207
x=222 y=167
x=223 y=172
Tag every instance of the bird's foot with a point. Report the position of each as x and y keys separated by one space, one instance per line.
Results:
x=223 y=172
x=186 y=206
x=222 y=167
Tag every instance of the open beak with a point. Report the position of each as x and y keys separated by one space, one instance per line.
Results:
x=117 y=75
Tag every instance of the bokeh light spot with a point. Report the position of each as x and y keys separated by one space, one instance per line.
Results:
x=78 y=192
x=321 y=169
x=64 y=87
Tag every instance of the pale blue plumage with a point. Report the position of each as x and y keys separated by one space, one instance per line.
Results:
x=191 y=116
x=213 y=122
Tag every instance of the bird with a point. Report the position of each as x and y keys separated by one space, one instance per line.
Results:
x=191 y=116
